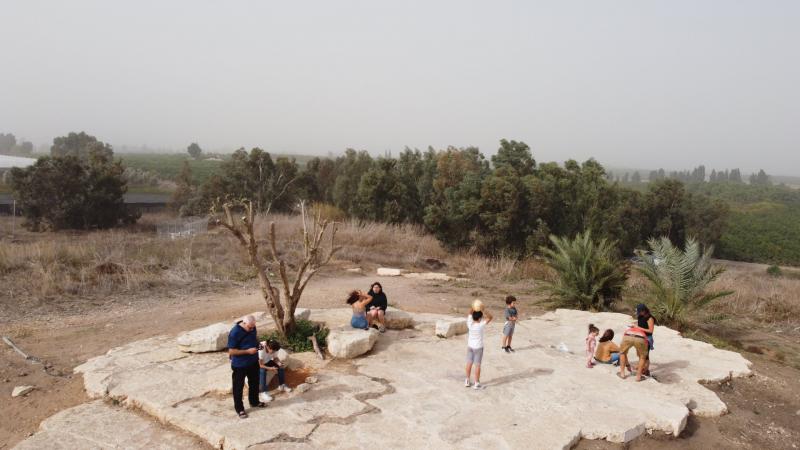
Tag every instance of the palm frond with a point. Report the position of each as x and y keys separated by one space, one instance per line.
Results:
x=679 y=279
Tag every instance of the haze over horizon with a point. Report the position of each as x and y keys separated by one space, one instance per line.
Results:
x=636 y=85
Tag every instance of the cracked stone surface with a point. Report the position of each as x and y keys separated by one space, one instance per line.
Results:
x=97 y=425
x=412 y=383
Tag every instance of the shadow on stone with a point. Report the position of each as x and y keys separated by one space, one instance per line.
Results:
x=524 y=375
x=667 y=372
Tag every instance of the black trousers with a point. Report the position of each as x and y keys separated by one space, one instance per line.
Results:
x=238 y=376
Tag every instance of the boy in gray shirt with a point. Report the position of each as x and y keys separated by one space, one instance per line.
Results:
x=511 y=322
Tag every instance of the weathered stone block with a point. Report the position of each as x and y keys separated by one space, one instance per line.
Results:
x=347 y=344
x=431 y=276
x=389 y=272
x=446 y=328
x=398 y=320
x=212 y=338
x=21 y=390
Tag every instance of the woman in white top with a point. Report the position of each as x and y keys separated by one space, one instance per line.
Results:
x=476 y=323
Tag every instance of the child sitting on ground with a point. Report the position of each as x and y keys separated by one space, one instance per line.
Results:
x=511 y=322
x=268 y=361
x=607 y=351
x=591 y=344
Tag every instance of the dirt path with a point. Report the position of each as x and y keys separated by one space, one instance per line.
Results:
x=66 y=341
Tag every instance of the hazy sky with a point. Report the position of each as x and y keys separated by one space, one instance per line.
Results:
x=632 y=83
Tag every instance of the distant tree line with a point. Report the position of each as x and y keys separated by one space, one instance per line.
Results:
x=696 y=175
x=10 y=146
x=508 y=205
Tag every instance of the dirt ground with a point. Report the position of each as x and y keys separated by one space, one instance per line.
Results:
x=765 y=409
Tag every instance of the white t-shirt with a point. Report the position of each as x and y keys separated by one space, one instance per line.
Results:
x=264 y=356
x=475 y=335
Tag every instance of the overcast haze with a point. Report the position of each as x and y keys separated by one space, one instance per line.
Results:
x=632 y=83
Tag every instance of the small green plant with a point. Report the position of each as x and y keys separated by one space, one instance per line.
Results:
x=297 y=341
x=589 y=274
x=679 y=279
x=774 y=271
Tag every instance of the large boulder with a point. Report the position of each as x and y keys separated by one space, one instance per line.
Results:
x=446 y=328
x=212 y=338
x=347 y=344
x=302 y=313
x=264 y=319
x=398 y=320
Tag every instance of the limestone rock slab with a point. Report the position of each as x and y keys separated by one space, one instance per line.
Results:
x=302 y=314
x=397 y=319
x=347 y=344
x=430 y=276
x=97 y=425
x=450 y=327
x=402 y=383
x=212 y=338
x=389 y=272
x=19 y=391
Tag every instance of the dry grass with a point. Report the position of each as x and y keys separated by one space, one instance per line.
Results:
x=504 y=268
x=37 y=268
x=44 y=269
x=365 y=243
x=758 y=296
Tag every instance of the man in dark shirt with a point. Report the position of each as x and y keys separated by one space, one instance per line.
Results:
x=243 y=351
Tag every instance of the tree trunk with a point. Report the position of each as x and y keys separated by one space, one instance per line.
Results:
x=282 y=312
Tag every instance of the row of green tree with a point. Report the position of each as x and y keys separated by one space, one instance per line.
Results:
x=507 y=205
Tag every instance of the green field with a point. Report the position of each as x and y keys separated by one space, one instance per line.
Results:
x=764 y=223
x=168 y=166
x=766 y=232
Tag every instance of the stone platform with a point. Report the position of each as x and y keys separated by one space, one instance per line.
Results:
x=411 y=384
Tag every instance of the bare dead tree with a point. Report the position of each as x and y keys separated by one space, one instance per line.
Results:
x=314 y=258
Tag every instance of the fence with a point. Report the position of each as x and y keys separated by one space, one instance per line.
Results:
x=180 y=228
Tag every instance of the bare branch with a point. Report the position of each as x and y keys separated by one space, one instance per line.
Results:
x=279 y=194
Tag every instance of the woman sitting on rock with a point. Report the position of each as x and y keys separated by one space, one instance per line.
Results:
x=376 y=309
x=359 y=301
x=607 y=351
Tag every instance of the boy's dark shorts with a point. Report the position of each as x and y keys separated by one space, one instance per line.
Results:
x=508 y=328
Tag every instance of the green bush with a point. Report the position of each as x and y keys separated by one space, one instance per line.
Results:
x=679 y=279
x=589 y=274
x=774 y=271
x=298 y=340
x=59 y=193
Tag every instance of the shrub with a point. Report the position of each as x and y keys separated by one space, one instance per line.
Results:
x=774 y=271
x=589 y=274
x=679 y=278
x=297 y=341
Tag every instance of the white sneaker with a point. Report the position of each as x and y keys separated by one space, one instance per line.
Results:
x=264 y=397
x=466 y=382
x=477 y=385
x=284 y=388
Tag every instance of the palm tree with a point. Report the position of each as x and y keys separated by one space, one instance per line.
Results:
x=589 y=274
x=679 y=278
